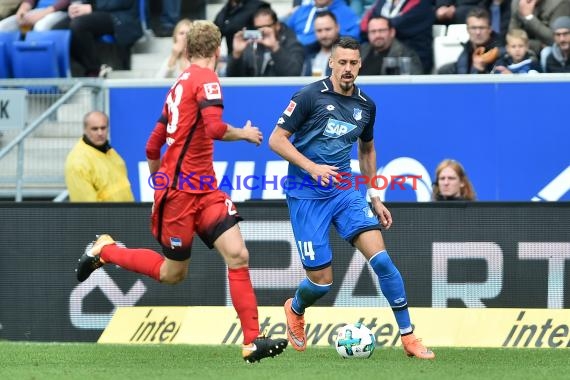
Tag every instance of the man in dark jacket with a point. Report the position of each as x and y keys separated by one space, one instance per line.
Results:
x=275 y=52
x=413 y=21
x=558 y=61
x=382 y=43
x=236 y=15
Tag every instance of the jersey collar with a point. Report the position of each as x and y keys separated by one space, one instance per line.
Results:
x=327 y=86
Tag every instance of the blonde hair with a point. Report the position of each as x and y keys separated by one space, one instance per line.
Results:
x=204 y=38
x=517 y=33
x=467 y=191
x=183 y=22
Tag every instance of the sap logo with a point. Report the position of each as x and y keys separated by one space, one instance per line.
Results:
x=336 y=128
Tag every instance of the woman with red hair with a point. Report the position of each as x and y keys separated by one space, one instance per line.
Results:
x=451 y=183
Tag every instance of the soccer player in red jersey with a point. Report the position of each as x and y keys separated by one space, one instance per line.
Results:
x=190 y=202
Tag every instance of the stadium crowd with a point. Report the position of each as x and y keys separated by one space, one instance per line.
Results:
x=501 y=36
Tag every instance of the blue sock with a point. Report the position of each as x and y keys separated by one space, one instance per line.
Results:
x=392 y=287
x=307 y=294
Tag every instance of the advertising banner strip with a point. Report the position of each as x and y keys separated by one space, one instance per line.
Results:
x=519 y=328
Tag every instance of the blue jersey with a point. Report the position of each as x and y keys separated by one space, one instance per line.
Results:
x=325 y=125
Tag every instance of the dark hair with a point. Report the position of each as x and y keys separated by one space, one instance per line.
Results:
x=381 y=18
x=479 y=13
x=325 y=14
x=346 y=43
x=266 y=11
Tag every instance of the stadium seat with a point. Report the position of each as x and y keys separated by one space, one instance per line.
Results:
x=5 y=67
x=458 y=31
x=438 y=30
x=44 y=3
x=544 y=53
x=6 y=40
x=446 y=49
x=34 y=59
x=62 y=40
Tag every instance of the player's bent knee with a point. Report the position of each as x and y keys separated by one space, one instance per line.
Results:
x=172 y=276
x=237 y=258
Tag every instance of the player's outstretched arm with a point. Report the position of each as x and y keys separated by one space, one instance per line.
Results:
x=248 y=133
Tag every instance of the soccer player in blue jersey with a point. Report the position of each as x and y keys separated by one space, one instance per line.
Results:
x=325 y=119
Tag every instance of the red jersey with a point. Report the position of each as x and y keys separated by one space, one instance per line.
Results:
x=188 y=160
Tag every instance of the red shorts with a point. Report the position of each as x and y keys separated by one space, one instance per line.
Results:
x=178 y=215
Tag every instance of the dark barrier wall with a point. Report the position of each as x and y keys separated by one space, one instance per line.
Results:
x=511 y=134
x=451 y=255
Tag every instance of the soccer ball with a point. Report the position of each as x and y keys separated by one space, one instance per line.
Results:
x=355 y=341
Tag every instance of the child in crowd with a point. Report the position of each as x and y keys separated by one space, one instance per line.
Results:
x=518 y=59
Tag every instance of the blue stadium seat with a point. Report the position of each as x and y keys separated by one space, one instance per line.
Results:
x=44 y=3
x=34 y=59
x=5 y=68
x=62 y=40
x=6 y=40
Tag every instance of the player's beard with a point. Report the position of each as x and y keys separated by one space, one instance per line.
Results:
x=346 y=86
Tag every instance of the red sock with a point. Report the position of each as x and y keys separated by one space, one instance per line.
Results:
x=145 y=261
x=245 y=303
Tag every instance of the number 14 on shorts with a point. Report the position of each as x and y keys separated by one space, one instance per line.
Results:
x=306 y=249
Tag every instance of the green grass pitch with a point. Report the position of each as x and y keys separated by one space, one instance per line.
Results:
x=95 y=361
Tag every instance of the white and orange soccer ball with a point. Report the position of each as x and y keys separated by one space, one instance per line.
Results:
x=355 y=341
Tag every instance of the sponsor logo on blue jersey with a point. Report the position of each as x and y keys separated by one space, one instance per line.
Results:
x=336 y=128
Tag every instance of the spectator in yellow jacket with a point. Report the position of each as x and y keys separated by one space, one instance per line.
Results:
x=94 y=172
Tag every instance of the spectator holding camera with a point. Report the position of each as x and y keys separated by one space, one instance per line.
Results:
x=236 y=15
x=271 y=49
